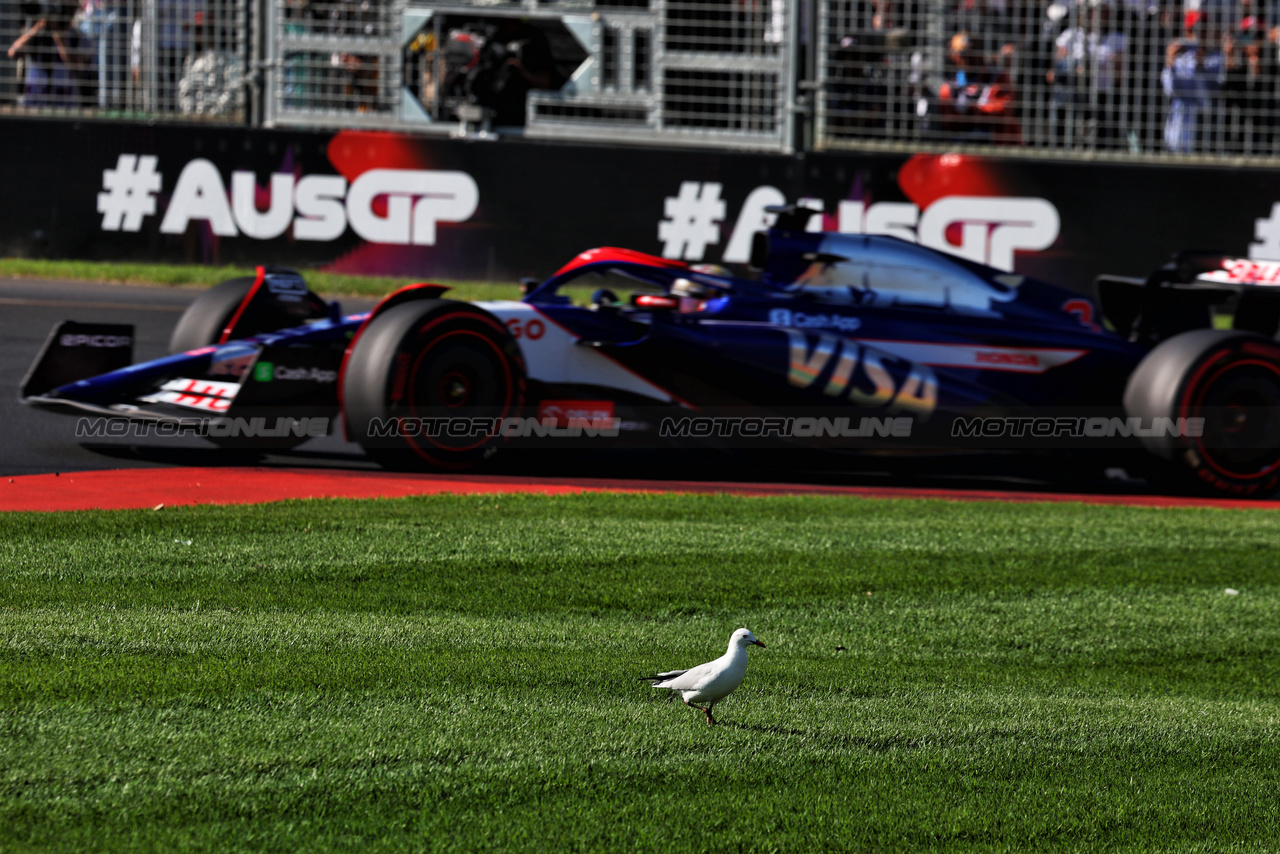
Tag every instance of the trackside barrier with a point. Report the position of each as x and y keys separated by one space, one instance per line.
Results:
x=1121 y=80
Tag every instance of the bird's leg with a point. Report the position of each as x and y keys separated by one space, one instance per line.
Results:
x=710 y=720
x=706 y=712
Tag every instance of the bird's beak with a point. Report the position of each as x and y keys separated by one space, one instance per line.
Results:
x=759 y=644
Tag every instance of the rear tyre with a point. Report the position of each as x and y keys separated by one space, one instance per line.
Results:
x=424 y=364
x=205 y=319
x=1229 y=379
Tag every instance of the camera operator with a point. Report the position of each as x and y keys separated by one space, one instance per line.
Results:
x=516 y=58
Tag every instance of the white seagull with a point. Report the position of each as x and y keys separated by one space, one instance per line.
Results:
x=711 y=682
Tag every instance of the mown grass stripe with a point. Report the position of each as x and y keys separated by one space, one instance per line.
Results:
x=460 y=673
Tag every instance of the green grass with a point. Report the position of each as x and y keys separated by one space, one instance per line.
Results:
x=198 y=276
x=460 y=673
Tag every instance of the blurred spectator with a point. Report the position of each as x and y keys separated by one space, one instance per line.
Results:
x=57 y=63
x=990 y=25
x=1037 y=61
x=976 y=102
x=1250 y=88
x=104 y=23
x=176 y=21
x=1026 y=50
x=1067 y=78
x=1087 y=76
x=1193 y=74
x=1107 y=48
x=357 y=75
x=212 y=78
x=1154 y=26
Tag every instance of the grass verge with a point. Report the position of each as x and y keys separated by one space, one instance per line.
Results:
x=198 y=276
x=460 y=674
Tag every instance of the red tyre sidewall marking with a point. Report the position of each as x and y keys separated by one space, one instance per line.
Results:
x=1188 y=405
x=511 y=378
x=413 y=373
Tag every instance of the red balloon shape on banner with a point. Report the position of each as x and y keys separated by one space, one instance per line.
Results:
x=925 y=178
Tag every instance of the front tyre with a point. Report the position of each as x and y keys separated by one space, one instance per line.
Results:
x=422 y=381
x=205 y=319
x=1229 y=379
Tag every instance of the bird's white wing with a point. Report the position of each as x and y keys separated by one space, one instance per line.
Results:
x=722 y=681
x=688 y=680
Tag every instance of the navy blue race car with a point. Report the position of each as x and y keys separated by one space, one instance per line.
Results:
x=840 y=342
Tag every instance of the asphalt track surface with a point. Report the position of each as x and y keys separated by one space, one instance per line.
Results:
x=34 y=443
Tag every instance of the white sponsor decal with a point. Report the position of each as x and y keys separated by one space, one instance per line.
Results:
x=1242 y=271
x=1017 y=359
x=205 y=395
x=315 y=375
x=217 y=388
x=206 y=403
x=318 y=207
x=802 y=320
x=106 y=342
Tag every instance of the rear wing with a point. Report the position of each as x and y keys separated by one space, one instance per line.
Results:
x=1182 y=294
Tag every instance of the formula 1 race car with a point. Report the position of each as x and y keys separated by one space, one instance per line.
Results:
x=839 y=342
